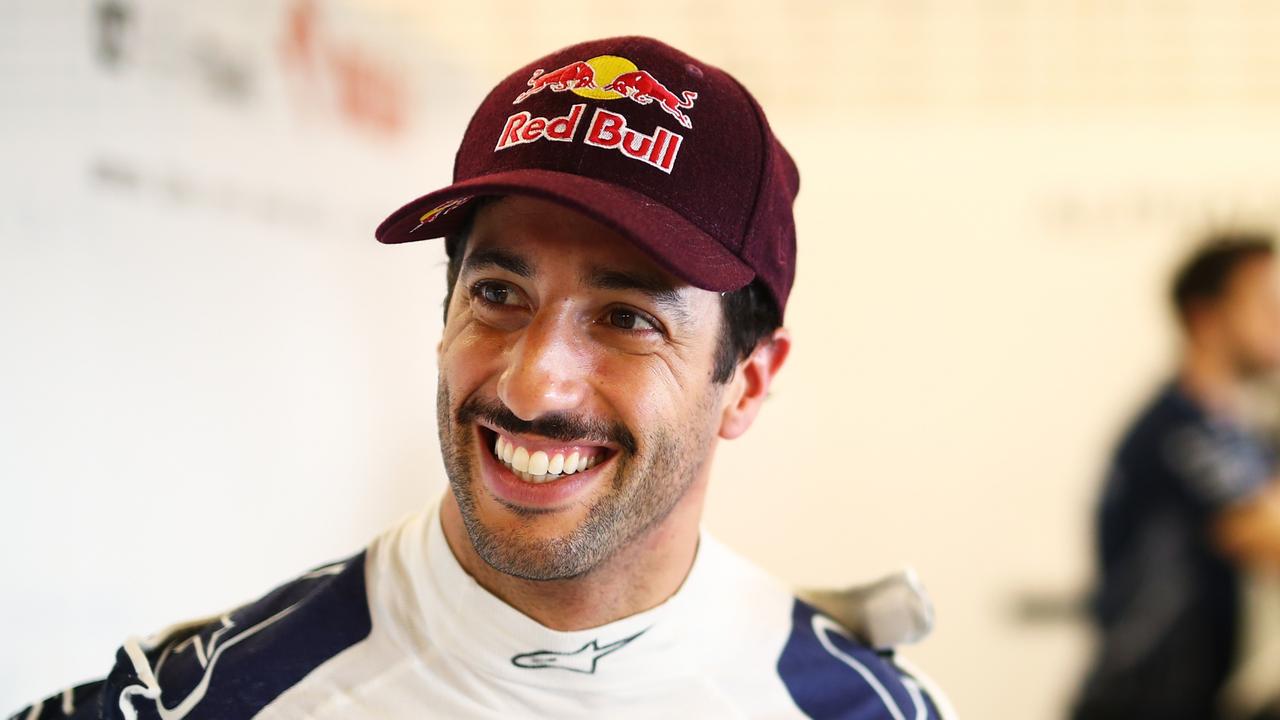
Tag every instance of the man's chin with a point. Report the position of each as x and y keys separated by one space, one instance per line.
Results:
x=522 y=524
x=537 y=546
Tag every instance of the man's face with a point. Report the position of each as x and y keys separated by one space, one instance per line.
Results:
x=567 y=349
x=1250 y=313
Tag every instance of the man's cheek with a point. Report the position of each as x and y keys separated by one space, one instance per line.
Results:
x=455 y=323
x=462 y=343
x=470 y=365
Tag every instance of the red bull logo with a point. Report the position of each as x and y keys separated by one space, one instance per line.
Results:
x=607 y=130
x=605 y=77
x=609 y=77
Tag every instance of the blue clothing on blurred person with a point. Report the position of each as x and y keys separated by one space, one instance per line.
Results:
x=1168 y=603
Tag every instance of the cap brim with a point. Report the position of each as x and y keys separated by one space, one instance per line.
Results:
x=672 y=241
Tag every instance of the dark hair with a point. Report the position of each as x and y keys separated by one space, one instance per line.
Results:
x=749 y=314
x=1204 y=276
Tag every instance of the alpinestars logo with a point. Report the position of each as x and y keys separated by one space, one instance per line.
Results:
x=583 y=660
x=605 y=77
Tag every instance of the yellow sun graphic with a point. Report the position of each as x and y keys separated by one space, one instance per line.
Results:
x=606 y=67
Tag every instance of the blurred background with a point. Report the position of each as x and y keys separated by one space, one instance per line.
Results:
x=212 y=377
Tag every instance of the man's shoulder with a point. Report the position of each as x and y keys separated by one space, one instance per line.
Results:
x=233 y=664
x=827 y=662
x=830 y=673
x=1146 y=454
x=1166 y=411
x=1177 y=449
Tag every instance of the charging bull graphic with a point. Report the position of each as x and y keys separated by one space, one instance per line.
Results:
x=582 y=660
x=574 y=75
x=611 y=77
x=643 y=88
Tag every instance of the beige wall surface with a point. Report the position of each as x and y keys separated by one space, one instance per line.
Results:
x=213 y=378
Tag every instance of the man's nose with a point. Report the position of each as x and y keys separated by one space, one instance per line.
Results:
x=545 y=370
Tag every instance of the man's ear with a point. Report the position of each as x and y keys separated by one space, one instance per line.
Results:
x=750 y=384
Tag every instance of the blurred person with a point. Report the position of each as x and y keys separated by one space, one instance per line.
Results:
x=620 y=248
x=1189 y=501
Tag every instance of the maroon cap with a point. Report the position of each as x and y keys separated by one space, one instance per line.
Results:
x=672 y=153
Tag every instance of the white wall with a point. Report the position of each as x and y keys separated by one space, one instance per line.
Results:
x=211 y=376
x=963 y=358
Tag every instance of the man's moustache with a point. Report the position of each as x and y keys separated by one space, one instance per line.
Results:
x=555 y=426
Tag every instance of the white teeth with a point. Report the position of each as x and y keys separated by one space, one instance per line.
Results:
x=538 y=462
x=539 y=467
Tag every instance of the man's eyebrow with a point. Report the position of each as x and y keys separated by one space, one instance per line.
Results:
x=496 y=257
x=658 y=290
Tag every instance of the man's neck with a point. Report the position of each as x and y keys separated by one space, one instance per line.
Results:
x=1211 y=380
x=640 y=576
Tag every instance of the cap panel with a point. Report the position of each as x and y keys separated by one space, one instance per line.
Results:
x=712 y=165
x=770 y=247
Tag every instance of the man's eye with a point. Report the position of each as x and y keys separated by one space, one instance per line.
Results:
x=625 y=319
x=495 y=293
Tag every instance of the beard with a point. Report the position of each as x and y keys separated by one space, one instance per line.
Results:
x=1252 y=363
x=651 y=473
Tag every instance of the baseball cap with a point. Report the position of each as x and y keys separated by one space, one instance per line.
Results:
x=672 y=153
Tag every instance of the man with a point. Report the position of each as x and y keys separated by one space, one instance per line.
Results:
x=1188 y=501
x=621 y=249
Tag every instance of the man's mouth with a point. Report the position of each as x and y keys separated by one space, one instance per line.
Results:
x=539 y=460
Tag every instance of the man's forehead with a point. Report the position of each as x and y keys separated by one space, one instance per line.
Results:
x=527 y=236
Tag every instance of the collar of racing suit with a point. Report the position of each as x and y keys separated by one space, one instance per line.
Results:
x=437 y=607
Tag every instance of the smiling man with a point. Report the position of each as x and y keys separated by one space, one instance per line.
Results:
x=560 y=337
x=621 y=249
